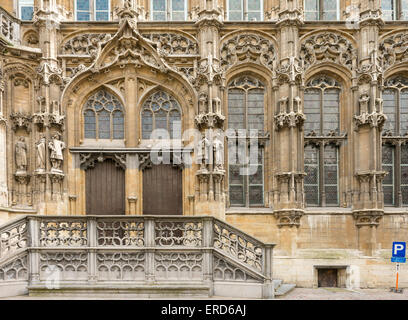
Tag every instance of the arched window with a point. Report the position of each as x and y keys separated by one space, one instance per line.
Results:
x=322 y=137
x=161 y=111
x=103 y=117
x=245 y=112
x=395 y=142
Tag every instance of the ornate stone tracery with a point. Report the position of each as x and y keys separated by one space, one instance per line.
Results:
x=248 y=47
x=393 y=49
x=327 y=47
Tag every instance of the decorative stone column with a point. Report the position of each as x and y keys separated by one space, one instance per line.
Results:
x=3 y=147
x=48 y=117
x=288 y=200
x=368 y=207
x=210 y=195
x=288 y=185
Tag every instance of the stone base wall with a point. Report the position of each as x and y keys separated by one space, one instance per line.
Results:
x=331 y=240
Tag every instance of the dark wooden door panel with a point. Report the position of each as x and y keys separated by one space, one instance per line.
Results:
x=162 y=190
x=105 y=189
x=327 y=277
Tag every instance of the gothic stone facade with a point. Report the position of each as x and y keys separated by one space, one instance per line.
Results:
x=328 y=101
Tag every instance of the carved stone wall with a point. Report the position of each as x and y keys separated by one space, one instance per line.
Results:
x=51 y=67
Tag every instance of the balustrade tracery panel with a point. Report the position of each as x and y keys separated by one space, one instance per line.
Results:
x=113 y=232
x=179 y=233
x=235 y=244
x=13 y=238
x=121 y=265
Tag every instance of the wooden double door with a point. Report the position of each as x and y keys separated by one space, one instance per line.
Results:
x=105 y=190
x=162 y=190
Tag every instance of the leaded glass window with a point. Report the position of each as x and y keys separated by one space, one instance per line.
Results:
x=388 y=166
x=87 y=10
x=388 y=8
x=245 y=163
x=395 y=141
x=394 y=9
x=246 y=104
x=321 y=10
x=26 y=9
x=173 y=10
x=161 y=111
x=104 y=117
x=322 y=141
x=250 y=10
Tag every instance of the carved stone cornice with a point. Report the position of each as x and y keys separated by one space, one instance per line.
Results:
x=56 y=177
x=22 y=178
x=88 y=160
x=288 y=217
x=47 y=119
x=368 y=217
x=289 y=119
x=374 y=119
x=371 y=18
x=290 y=18
x=332 y=137
x=287 y=176
x=210 y=18
x=365 y=177
x=21 y=120
x=203 y=176
x=209 y=120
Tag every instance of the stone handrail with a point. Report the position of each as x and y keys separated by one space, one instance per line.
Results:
x=9 y=26
x=89 y=251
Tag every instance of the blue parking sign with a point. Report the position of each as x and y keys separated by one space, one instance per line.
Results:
x=398 y=252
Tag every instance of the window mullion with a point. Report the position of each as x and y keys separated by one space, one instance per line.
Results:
x=322 y=200
x=397 y=175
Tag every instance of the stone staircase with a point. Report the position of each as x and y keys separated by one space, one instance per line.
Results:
x=138 y=256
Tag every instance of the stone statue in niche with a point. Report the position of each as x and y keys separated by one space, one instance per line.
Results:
x=21 y=156
x=218 y=146
x=56 y=146
x=203 y=152
x=40 y=152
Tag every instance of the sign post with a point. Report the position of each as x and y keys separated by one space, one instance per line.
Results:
x=398 y=256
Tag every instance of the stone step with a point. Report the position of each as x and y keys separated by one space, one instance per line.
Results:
x=284 y=289
x=140 y=291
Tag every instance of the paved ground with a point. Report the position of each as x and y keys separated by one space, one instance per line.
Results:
x=344 y=294
x=296 y=294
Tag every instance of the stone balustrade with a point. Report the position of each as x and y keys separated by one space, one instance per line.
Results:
x=143 y=255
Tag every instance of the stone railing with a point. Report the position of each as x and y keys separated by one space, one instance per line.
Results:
x=9 y=26
x=147 y=255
